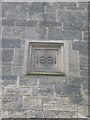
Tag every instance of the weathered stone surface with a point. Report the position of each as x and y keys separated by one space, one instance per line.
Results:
x=5 y=114
x=72 y=89
x=11 y=102
x=60 y=107
x=18 y=57
x=73 y=15
x=28 y=23
x=9 y=77
x=6 y=68
x=56 y=100
x=7 y=55
x=30 y=102
x=28 y=81
x=84 y=72
x=8 y=22
x=77 y=99
x=43 y=96
x=50 y=24
x=66 y=114
x=14 y=10
x=8 y=90
x=17 y=114
x=35 y=114
x=83 y=5
x=58 y=34
x=13 y=43
x=52 y=79
x=35 y=33
x=36 y=7
x=65 y=5
x=51 y=114
x=9 y=80
x=36 y=16
x=83 y=110
x=79 y=45
x=84 y=60
x=17 y=70
x=11 y=32
x=79 y=26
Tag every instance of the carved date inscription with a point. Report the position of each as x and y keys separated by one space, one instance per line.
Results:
x=43 y=60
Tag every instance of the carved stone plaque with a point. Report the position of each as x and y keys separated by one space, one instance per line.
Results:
x=47 y=58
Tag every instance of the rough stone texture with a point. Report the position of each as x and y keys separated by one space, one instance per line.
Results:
x=36 y=96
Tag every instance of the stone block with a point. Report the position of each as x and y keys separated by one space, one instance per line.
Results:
x=6 y=68
x=50 y=24
x=75 y=80
x=35 y=33
x=8 y=90
x=9 y=77
x=8 y=22
x=28 y=23
x=59 y=89
x=11 y=43
x=55 y=34
x=77 y=99
x=17 y=114
x=35 y=114
x=84 y=67
x=64 y=5
x=84 y=73
x=60 y=107
x=11 y=32
x=36 y=7
x=83 y=110
x=26 y=91
x=50 y=14
x=28 y=81
x=84 y=60
x=79 y=26
x=7 y=55
x=18 y=57
x=72 y=89
x=5 y=114
x=79 y=45
x=30 y=102
x=74 y=67
x=17 y=70
x=54 y=100
x=58 y=34
x=66 y=114
x=52 y=79
x=83 y=53
x=8 y=80
x=11 y=102
x=85 y=37
x=51 y=114
x=14 y=10
x=72 y=15
x=46 y=89
x=83 y=5
x=36 y=16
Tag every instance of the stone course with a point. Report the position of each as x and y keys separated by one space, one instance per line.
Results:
x=41 y=96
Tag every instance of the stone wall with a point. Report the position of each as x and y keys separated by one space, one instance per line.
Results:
x=26 y=96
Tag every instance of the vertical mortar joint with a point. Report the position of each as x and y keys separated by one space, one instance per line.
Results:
x=82 y=35
x=46 y=34
x=62 y=26
x=77 y=5
x=57 y=16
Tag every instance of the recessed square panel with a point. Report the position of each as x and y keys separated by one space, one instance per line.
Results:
x=45 y=58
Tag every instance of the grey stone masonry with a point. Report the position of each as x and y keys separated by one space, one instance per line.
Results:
x=45 y=96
